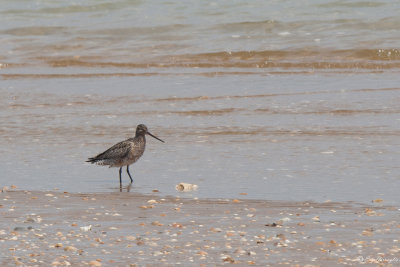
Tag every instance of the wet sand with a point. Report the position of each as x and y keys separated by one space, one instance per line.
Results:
x=131 y=229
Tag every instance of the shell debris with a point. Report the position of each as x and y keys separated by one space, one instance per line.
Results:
x=186 y=187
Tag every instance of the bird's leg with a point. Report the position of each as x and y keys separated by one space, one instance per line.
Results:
x=120 y=179
x=127 y=170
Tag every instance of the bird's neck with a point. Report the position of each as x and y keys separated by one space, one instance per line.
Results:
x=140 y=136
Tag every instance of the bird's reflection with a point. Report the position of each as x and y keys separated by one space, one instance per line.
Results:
x=128 y=188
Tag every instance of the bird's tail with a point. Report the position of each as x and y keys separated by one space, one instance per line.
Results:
x=92 y=160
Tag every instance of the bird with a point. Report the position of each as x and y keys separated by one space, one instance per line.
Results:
x=124 y=153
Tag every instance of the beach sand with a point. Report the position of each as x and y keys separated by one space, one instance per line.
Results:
x=130 y=229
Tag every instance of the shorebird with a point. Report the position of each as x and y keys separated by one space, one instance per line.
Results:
x=124 y=153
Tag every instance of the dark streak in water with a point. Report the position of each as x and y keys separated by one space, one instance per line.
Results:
x=352 y=131
x=39 y=31
x=337 y=112
x=205 y=98
x=80 y=75
x=215 y=112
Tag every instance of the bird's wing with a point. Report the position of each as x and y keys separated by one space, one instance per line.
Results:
x=116 y=151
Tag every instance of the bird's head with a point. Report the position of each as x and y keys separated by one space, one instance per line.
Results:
x=141 y=129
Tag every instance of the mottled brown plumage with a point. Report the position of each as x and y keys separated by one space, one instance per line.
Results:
x=124 y=153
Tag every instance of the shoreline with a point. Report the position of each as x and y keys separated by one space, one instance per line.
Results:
x=121 y=229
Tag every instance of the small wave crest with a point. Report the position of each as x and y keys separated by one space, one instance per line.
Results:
x=303 y=59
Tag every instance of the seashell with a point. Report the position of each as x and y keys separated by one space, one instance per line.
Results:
x=185 y=187
x=86 y=228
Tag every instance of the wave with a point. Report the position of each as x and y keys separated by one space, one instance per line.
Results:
x=299 y=59
x=274 y=62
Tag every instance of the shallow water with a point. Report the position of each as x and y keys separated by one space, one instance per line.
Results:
x=273 y=137
x=296 y=107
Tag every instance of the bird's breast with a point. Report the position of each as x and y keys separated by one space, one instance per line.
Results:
x=136 y=151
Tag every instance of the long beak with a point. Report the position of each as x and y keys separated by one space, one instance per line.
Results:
x=155 y=137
